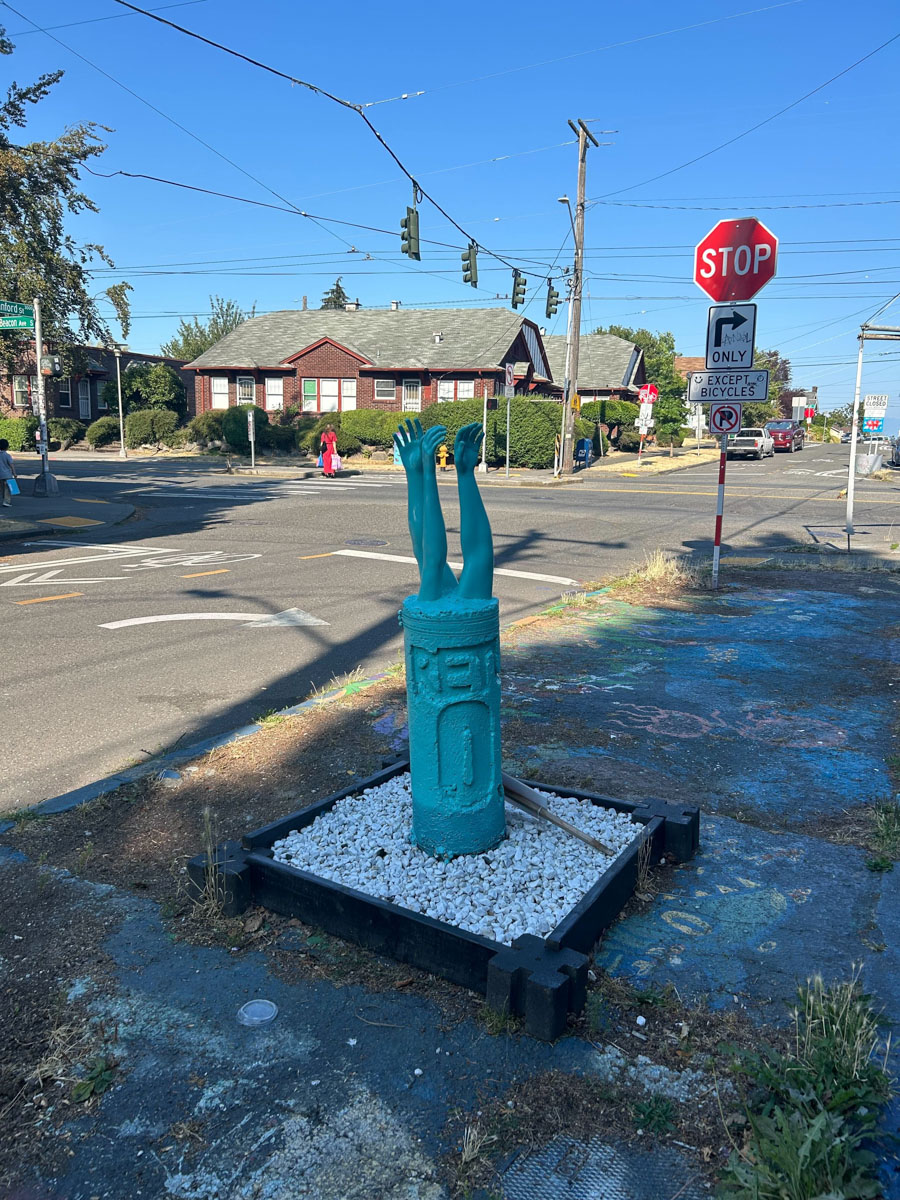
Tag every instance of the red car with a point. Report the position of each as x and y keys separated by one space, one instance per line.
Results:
x=787 y=435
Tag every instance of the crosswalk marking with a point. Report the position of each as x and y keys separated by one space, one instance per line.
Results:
x=457 y=566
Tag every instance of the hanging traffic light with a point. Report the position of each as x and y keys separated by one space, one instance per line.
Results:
x=470 y=265
x=409 y=234
x=552 y=300
x=518 y=292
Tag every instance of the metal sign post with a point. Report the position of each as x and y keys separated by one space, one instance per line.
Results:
x=251 y=434
x=509 y=389
x=723 y=419
x=45 y=484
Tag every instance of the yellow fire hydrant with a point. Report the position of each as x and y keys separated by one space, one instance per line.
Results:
x=442 y=457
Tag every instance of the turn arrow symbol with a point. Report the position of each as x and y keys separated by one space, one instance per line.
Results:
x=735 y=321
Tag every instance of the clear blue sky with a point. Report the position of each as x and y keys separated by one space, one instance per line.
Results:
x=489 y=140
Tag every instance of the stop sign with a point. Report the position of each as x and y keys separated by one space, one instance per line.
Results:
x=735 y=259
x=648 y=394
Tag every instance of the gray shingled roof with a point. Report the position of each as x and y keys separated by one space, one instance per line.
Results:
x=604 y=360
x=477 y=339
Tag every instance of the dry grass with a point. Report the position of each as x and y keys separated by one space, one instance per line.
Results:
x=209 y=905
x=840 y=1018
x=661 y=570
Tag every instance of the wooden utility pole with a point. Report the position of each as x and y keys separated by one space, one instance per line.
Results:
x=567 y=452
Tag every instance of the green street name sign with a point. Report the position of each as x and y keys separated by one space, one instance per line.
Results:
x=12 y=308
x=16 y=322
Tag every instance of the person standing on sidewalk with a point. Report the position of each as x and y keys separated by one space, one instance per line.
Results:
x=329 y=451
x=7 y=472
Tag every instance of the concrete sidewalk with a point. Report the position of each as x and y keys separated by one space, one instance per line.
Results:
x=30 y=516
x=762 y=703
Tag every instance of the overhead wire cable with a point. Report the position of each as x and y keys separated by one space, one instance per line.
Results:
x=744 y=133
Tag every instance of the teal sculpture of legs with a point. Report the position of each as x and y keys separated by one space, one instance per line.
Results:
x=452 y=639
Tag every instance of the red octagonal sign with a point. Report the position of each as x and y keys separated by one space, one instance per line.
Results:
x=735 y=259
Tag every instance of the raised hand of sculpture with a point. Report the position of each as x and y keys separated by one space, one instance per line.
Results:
x=452 y=656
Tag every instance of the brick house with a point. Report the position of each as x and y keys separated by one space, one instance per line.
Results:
x=78 y=395
x=609 y=367
x=331 y=360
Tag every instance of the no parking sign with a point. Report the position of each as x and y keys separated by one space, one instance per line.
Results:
x=725 y=418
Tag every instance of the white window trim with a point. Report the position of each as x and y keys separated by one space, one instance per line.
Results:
x=214 y=395
x=303 y=404
x=28 y=392
x=245 y=379
x=344 y=397
x=337 y=394
x=275 y=395
x=392 y=384
x=443 y=384
x=102 y=406
x=468 y=383
x=64 y=392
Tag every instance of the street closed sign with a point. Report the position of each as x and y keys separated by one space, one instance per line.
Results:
x=735 y=259
x=707 y=387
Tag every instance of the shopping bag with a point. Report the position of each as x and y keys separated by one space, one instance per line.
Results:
x=320 y=463
x=337 y=465
x=13 y=487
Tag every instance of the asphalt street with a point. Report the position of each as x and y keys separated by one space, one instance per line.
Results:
x=226 y=597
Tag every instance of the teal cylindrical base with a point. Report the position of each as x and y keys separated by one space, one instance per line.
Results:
x=453 y=697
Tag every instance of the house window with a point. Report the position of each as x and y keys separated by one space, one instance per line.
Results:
x=385 y=389
x=101 y=403
x=274 y=393
x=412 y=395
x=310 y=395
x=348 y=394
x=328 y=395
x=65 y=393
x=22 y=392
x=219 y=391
x=465 y=389
x=446 y=389
x=246 y=389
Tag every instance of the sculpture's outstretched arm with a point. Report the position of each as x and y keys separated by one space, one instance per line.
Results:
x=477 y=579
x=434 y=535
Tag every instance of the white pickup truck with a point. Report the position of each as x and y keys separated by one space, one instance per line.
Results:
x=755 y=443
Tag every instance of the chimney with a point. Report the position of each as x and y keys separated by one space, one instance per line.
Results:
x=438 y=337
x=395 y=306
x=352 y=305
x=304 y=304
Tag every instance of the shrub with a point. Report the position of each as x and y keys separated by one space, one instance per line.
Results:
x=368 y=426
x=103 y=431
x=66 y=430
x=234 y=427
x=610 y=412
x=311 y=439
x=207 y=427
x=147 y=385
x=149 y=426
x=19 y=431
x=669 y=439
x=629 y=439
x=281 y=437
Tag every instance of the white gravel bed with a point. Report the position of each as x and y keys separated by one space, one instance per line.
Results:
x=527 y=884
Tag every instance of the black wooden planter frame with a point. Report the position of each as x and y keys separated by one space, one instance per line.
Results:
x=542 y=979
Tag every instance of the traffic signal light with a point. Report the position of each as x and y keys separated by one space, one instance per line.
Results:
x=409 y=234
x=552 y=300
x=518 y=293
x=470 y=265
x=491 y=403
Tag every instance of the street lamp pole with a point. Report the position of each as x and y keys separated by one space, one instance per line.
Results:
x=123 y=453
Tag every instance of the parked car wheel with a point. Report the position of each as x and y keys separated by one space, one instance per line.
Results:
x=759 y=455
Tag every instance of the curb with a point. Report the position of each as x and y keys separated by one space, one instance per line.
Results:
x=45 y=529
x=162 y=764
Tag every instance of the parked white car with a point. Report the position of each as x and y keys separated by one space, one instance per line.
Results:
x=752 y=443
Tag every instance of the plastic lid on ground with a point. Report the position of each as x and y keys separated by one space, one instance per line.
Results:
x=257 y=1012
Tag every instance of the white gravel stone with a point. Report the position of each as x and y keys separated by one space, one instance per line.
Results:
x=527 y=884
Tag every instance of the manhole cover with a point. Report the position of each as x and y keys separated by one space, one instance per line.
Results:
x=365 y=542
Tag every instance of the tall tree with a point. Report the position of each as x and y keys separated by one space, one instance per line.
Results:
x=39 y=186
x=147 y=385
x=335 y=297
x=779 y=369
x=659 y=367
x=193 y=337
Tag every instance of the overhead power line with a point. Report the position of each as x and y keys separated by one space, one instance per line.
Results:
x=340 y=101
x=745 y=133
x=97 y=20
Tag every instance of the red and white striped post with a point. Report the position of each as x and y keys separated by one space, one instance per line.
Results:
x=720 y=508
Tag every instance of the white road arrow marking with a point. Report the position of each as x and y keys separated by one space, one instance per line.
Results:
x=290 y=616
x=31 y=577
x=456 y=566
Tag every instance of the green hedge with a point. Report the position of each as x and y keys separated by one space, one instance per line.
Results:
x=368 y=426
x=234 y=427
x=534 y=425
x=629 y=440
x=207 y=427
x=669 y=439
x=310 y=440
x=19 y=431
x=66 y=430
x=103 y=431
x=611 y=412
x=150 y=426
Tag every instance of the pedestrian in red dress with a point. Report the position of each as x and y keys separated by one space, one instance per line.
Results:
x=328 y=450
